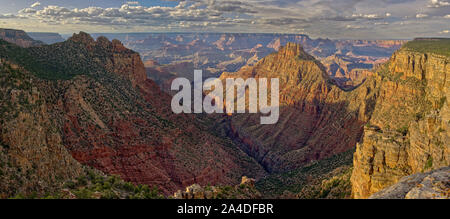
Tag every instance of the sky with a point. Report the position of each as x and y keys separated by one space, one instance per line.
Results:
x=335 y=19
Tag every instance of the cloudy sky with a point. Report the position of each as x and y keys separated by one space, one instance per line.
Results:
x=337 y=19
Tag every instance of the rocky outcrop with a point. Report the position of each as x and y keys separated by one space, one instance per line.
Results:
x=18 y=37
x=409 y=131
x=430 y=185
x=245 y=190
x=248 y=181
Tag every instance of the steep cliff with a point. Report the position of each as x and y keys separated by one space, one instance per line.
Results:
x=219 y=52
x=409 y=131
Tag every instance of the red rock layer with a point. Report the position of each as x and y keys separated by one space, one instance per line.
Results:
x=121 y=123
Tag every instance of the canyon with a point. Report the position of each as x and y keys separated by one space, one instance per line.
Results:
x=313 y=113
x=104 y=114
x=398 y=118
x=93 y=103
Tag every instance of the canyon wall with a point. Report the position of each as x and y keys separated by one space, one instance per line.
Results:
x=100 y=108
x=18 y=37
x=317 y=118
x=409 y=131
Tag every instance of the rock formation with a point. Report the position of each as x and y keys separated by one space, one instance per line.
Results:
x=403 y=108
x=216 y=53
x=18 y=37
x=33 y=158
x=109 y=116
x=317 y=118
x=87 y=102
x=430 y=185
x=409 y=130
x=245 y=190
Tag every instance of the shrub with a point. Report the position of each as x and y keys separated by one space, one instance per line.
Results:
x=429 y=163
x=403 y=130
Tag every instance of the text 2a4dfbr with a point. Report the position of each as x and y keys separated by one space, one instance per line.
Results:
x=247 y=209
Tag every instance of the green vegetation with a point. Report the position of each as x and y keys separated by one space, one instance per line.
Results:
x=93 y=185
x=61 y=61
x=312 y=181
x=429 y=163
x=441 y=102
x=337 y=187
x=15 y=92
x=236 y=192
x=437 y=46
x=403 y=130
x=96 y=186
x=419 y=116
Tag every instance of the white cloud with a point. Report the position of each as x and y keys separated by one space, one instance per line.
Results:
x=7 y=16
x=438 y=4
x=381 y=23
x=319 y=18
x=368 y=16
x=36 y=4
x=421 y=15
x=126 y=14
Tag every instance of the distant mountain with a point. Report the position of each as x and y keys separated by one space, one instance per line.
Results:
x=345 y=60
x=47 y=38
x=19 y=38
